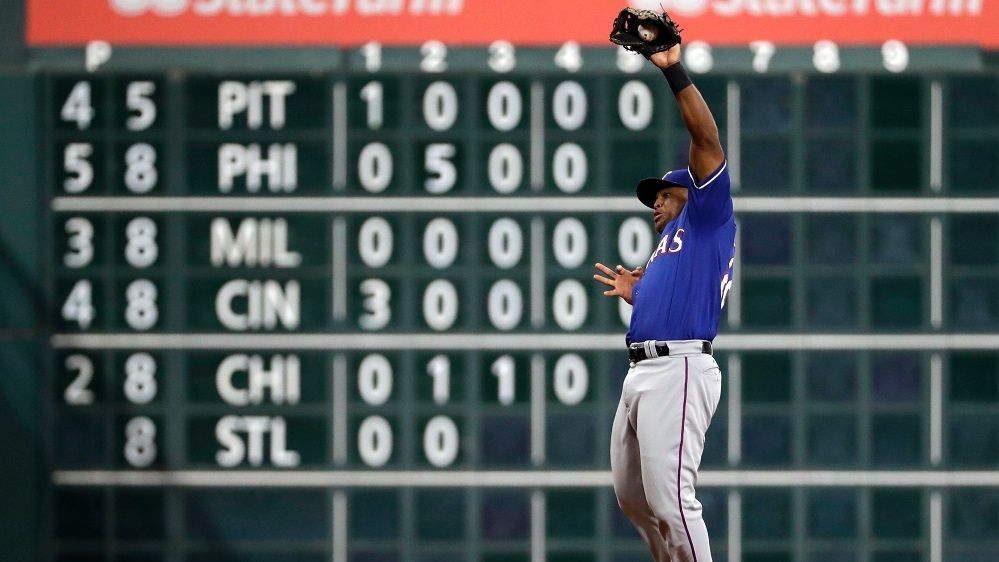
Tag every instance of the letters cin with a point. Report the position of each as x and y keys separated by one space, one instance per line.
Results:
x=243 y=304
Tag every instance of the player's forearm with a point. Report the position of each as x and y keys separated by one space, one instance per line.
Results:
x=706 y=152
x=697 y=117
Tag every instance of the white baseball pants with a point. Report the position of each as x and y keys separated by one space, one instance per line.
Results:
x=656 y=444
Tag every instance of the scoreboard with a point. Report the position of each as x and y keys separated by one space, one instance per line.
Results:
x=336 y=305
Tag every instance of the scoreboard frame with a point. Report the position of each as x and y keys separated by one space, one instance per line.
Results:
x=536 y=479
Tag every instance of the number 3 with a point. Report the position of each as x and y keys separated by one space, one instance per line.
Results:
x=376 y=304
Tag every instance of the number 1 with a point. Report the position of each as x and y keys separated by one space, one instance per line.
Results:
x=503 y=370
x=439 y=369
x=372 y=94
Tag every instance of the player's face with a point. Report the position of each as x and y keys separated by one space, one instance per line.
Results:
x=669 y=203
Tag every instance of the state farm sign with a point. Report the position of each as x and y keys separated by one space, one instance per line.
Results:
x=523 y=22
x=307 y=8
x=817 y=8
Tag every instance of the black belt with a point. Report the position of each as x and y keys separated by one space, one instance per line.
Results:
x=637 y=351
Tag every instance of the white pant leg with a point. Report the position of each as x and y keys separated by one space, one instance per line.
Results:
x=676 y=398
x=626 y=468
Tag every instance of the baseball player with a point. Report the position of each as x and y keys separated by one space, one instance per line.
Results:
x=673 y=386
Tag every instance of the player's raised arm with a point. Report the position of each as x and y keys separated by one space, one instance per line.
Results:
x=706 y=152
x=656 y=36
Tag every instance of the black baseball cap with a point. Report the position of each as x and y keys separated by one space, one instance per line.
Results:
x=650 y=187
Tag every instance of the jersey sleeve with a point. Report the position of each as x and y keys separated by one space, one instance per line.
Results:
x=710 y=199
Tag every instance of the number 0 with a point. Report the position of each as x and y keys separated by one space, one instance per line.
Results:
x=440 y=441
x=374 y=441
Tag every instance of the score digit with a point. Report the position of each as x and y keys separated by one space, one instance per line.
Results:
x=895 y=56
x=140 y=168
x=504 y=106
x=440 y=441
x=375 y=242
x=140 y=442
x=442 y=171
x=375 y=167
x=141 y=250
x=569 y=105
x=141 y=312
x=569 y=167
x=137 y=99
x=77 y=108
x=80 y=244
x=440 y=106
x=140 y=378
x=440 y=243
x=434 y=57
x=78 y=392
x=505 y=305
x=502 y=56
x=504 y=371
x=570 y=243
x=569 y=304
x=374 y=380
x=763 y=51
x=826 y=57
x=634 y=105
x=628 y=61
x=373 y=95
x=77 y=167
x=78 y=307
x=372 y=53
x=440 y=305
x=698 y=58
x=505 y=168
x=377 y=313
x=374 y=441
x=571 y=379
x=439 y=369
x=569 y=57
x=506 y=243
x=634 y=242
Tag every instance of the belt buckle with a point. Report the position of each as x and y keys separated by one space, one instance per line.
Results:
x=636 y=352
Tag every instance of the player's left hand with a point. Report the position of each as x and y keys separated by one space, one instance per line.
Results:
x=619 y=279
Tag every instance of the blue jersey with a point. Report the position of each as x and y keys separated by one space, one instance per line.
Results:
x=682 y=293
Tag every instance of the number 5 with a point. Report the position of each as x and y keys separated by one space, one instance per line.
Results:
x=438 y=164
x=137 y=100
x=77 y=167
x=763 y=51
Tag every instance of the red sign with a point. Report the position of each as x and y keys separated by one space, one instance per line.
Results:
x=523 y=22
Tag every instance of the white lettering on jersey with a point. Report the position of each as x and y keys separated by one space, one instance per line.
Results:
x=726 y=282
x=668 y=245
x=677 y=243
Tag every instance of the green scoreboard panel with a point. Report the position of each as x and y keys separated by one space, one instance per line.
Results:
x=343 y=311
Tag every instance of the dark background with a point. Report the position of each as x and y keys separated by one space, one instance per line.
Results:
x=18 y=315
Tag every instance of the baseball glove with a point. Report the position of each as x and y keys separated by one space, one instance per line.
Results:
x=658 y=31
